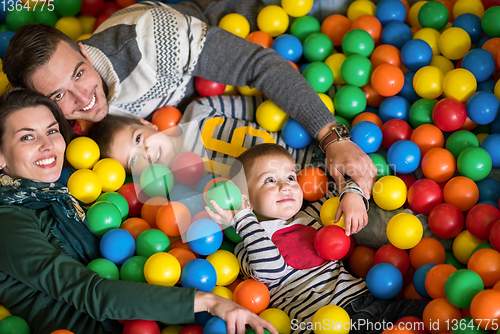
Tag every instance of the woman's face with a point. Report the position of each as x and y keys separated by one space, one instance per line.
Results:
x=32 y=146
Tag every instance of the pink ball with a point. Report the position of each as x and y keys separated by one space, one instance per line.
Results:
x=480 y=219
x=394 y=130
x=424 y=195
x=449 y=114
x=141 y=326
x=446 y=220
x=331 y=243
x=206 y=87
x=187 y=168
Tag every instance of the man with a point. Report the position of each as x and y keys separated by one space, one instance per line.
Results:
x=146 y=56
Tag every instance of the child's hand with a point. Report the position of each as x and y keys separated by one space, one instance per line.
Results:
x=224 y=217
x=355 y=216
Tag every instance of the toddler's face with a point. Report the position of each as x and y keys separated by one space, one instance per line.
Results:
x=273 y=189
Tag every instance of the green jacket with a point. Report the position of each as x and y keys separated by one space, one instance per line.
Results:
x=51 y=290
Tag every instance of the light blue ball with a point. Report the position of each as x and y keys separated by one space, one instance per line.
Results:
x=204 y=236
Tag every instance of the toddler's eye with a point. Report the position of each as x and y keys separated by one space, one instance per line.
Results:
x=268 y=180
x=138 y=139
x=291 y=178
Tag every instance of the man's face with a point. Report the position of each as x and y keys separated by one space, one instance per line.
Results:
x=72 y=82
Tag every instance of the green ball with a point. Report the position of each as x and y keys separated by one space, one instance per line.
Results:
x=319 y=76
x=381 y=163
x=475 y=163
x=67 y=7
x=251 y=331
x=317 y=47
x=490 y=21
x=459 y=141
x=17 y=18
x=117 y=199
x=461 y=286
x=433 y=14
x=45 y=15
x=231 y=234
x=358 y=41
x=227 y=245
x=482 y=246
x=452 y=261
x=14 y=325
x=421 y=112
x=466 y=326
x=103 y=216
x=152 y=241
x=133 y=269
x=226 y=194
x=157 y=180
x=342 y=121
x=304 y=26
x=3 y=27
x=349 y=101
x=356 y=70
x=104 y=268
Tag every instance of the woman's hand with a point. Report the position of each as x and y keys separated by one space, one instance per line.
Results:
x=235 y=316
x=224 y=217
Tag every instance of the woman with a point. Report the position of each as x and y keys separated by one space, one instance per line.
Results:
x=45 y=242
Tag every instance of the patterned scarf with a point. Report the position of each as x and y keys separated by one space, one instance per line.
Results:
x=69 y=225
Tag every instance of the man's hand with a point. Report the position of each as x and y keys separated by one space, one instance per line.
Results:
x=353 y=207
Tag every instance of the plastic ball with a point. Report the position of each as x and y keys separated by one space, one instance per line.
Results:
x=359 y=8
x=111 y=173
x=435 y=280
x=381 y=163
x=67 y=7
x=358 y=41
x=200 y=274
x=166 y=117
x=388 y=11
x=327 y=100
x=357 y=70
x=428 y=82
x=489 y=190
x=485 y=309
x=118 y=200
x=367 y=136
x=297 y=8
x=141 y=326
x=421 y=112
x=419 y=279
x=14 y=325
x=4 y=312
x=394 y=107
x=454 y=43
x=438 y=313
x=438 y=164
x=361 y=260
x=446 y=220
x=480 y=219
x=490 y=144
x=387 y=79
x=464 y=244
x=494 y=237
x=370 y=24
x=427 y=137
x=183 y=255
x=206 y=87
x=433 y=14
x=349 y=101
x=449 y=114
x=368 y=117
x=152 y=241
x=187 y=168
x=416 y=54
x=215 y=325
x=91 y=7
x=403 y=157
x=404 y=231
x=336 y=27
x=428 y=250
x=18 y=18
x=492 y=45
x=156 y=180
x=386 y=54
x=319 y=76
x=236 y=24
x=424 y=195
x=459 y=141
x=225 y=194
x=270 y=117
x=408 y=92
x=204 y=236
x=130 y=191
x=280 y=320
x=474 y=163
x=482 y=107
x=104 y=268
x=252 y=295
x=413 y=14
x=489 y=21
x=332 y=243
x=431 y=37
x=393 y=255
x=226 y=266
x=397 y=34
x=133 y=269
x=462 y=192
x=384 y=281
x=332 y=314
x=486 y=263
x=71 y=26
x=303 y=26
x=480 y=63
x=442 y=63
x=117 y=245
x=85 y=185
x=162 y=269
x=459 y=84
x=462 y=286
x=295 y=135
x=273 y=20
x=389 y=192
x=103 y=216
x=289 y=47
x=82 y=152
x=47 y=16
x=173 y=219
x=328 y=212
x=313 y=182
x=317 y=47
x=260 y=37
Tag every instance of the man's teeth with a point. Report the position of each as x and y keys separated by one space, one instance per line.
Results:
x=90 y=105
x=158 y=155
x=45 y=162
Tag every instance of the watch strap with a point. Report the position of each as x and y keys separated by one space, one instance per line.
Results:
x=337 y=133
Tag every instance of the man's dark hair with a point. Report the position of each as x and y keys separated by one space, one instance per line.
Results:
x=31 y=48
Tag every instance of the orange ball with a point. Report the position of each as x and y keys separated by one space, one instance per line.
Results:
x=313 y=182
x=449 y=5
x=497 y=286
x=125 y=3
x=387 y=79
x=370 y=24
x=386 y=54
x=438 y=314
x=260 y=37
x=361 y=260
x=411 y=293
x=182 y=255
x=173 y=219
x=486 y=306
x=469 y=125
x=368 y=117
x=166 y=117
x=461 y=191
x=373 y=99
x=179 y=243
x=486 y=263
x=492 y=46
x=438 y=164
x=135 y=226
x=252 y=295
x=435 y=280
x=427 y=137
x=428 y=250
x=150 y=208
x=336 y=26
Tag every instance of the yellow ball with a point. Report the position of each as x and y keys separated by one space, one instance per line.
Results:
x=4 y=312
x=270 y=117
x=389 y=192
x=459 y=84
x=87 y=24
x=230 y=90
x=328 y=212
x=4 y=82
x=223 y=292
x=85 y=185
x=247 y=91
x=111 y=173
x=327 y=100
x=83 y=37
x=331 y=319
x=273 y=20
x=335 y=62
x=468 y=6
x=359 y=8
x=404 y=231
x=464 y=244
x=226 y=266
x=496 y=90
x=431 y=36
x=443 y=63
x=236 y=24
x=71 y=26
x=82 y=152
x=413 y=14
x=428 y=82
x=481 y=136
x=162 y=269
x=280 y=320
x=172 y=329
x=297 y=8
x=454 y=43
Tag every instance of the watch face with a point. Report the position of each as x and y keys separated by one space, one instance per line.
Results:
x=343 y=132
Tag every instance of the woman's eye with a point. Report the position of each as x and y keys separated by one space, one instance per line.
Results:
x=138 y=139
x=26 y=137
x=52 y=131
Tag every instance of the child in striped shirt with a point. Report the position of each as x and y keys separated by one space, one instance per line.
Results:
x=278 y=246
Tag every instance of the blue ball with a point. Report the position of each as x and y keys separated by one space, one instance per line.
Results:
x=489 y=190
x=388 y=11
x=482 y=107
x=394 y=107
x=396 y=34
x=200 y=186
x=495 y=126
x=471 y=24
x=303 y=67
x=415 y=54
x=117 y=245
x=487 y=86
x=178 y=191
x=495 y=204
x=492 y=145
x=199 y=274
x=5 y=38
x=194 y=202
x=201 y=318
x=479 y=62
x=408 y=92
x=367 y=135
x=289 y=47
x=384 y=281
x=419 y=279
x=481 y=41
x=204 y=236
x=215 y=325
x=403 y=157
x=295 y=135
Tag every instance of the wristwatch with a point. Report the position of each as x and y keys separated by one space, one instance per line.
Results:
x=337 y=133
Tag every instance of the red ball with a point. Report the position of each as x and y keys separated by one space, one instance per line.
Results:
x=134 y=196
x=446 y=220
x=351 y=248
x=110 y=7
x=91 y=7
x=449 y=114
x=495 y=235
x=192 y=329
x=393 y=255
x=394 y=130
x=166 y=117
x=100 y=19
x=206 y=87
x=331 y=243
x=480 y=218
x=313 y=182
x=141 y=326
x=187 y=168
x=424 y=195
